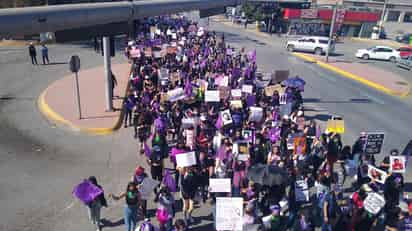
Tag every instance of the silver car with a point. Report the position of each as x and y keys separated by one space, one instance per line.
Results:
x=405 y=62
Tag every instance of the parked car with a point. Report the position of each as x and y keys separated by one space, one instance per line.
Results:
x=378 y=52
x=317 y=45
x=405 y=62
x=405 y=52
x=404 y=38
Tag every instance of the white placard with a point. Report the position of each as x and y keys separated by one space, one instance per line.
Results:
x=146 y=187
x=212 y=96
x=186 y=159
x=374 y=203
x=282 y=99
x=226 y=117
x=236 y=92
x=229 y=213
x=247 y=88
x=224 y=82
x=176 y=94
x=190 y=138
x=377 y=174
x=397 y=164
x=301 y=191
x=220 y=185
x=256 y=114
x=188 y=122
x=243 y=157
x=158 y=32
x=174 y=36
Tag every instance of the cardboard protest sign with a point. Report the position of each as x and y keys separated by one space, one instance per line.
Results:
x=269 y=90
x=226 y=117
x=377 y=174
x=236 y=103
x=247 y=88
x=212 y=96
x=256 y=114
x=280 y=76
x=336 y=126
x=236 y=93
x=374 y=142
x=301 y=191
x=176 y=94
x=186 y=159
x=374 y=203
x=220 y=185
x=397 y=164
x=147 y=186
x=229 y=213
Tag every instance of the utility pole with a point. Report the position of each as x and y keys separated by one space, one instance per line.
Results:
x=332 y=28
x=107 y=73
x=382 y=18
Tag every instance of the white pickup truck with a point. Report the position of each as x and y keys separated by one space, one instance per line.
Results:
x=317 y=45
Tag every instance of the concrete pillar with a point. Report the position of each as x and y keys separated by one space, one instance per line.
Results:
x=107 y=73
x=401 y=16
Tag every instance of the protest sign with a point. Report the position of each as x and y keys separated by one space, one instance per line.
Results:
x=247 y=134
x=269 y=90
x=374 y=142
x=397 y=164
x=243 y=147
x=226 y=117
x=374 y=203
x=212 y=96
x=146 y=187
x=190 y=138
x=256 y=114
x=229 y=213
x=188 y=122
x=186 y=159
x=176 y=94
x=220 y=185
x=236 y=93
x=224 y=81
x=407 y=151
x=280 y=76
x=86 y=191
x=243 y=157
x=377 y=174
x=282 y=99
x=336 y=126
x=247 y=88
x=236 y=103
x=301 y=191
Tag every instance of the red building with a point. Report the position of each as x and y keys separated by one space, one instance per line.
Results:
x=317 y=22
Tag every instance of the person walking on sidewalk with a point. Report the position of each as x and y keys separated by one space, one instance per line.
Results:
x=33 y=54
x=114 y=82
x=132 y=196
x=45 y=54
x=96 y=205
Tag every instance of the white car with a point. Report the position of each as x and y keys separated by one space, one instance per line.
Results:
x=317 y=45
x=378 y=52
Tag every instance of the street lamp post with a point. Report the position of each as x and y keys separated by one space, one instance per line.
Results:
x=382 y=18
x=332 y=28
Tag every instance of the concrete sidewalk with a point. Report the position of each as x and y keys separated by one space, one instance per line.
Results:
x=371 y=76
x=58 y=102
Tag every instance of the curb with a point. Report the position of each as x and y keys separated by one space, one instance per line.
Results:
x=51 y=115
x=354 y=77
x=378 y=42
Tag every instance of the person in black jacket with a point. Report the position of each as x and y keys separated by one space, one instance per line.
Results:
x=33 y=54
x=189 y=186
x=96 y=205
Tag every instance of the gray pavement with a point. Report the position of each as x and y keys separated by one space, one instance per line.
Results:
x=40 y=164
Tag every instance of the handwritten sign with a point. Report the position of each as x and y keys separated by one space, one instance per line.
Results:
x=247 y=88
x=336 y=126
x=236 y=93
x=236 y=103
x=229 y=213
x=374 y=142
x=186 y=159
x=256 y=114
x=269 y=90
x=220 y=185
x=374 y=203
x=301 y=191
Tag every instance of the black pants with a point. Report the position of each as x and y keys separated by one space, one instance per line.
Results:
x=45 y=58
x=33 y=59
x=156 y=172
x=128 y=115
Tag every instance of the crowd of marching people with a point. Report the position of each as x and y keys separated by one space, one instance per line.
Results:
x=190 y=92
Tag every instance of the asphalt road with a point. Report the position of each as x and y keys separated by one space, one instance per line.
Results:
x=39 y=163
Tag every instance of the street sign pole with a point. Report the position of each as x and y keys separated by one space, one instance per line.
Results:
x=332 y=28
x=79 y=109
x=107 y=73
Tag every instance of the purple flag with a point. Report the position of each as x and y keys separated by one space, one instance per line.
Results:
x=219 y=122
x=147 y=150
x=274 y=134
x=251 y=100
x=86 y=191
x=188 y=88
x=169 y=181
x=221 y=153
x=318 y=132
